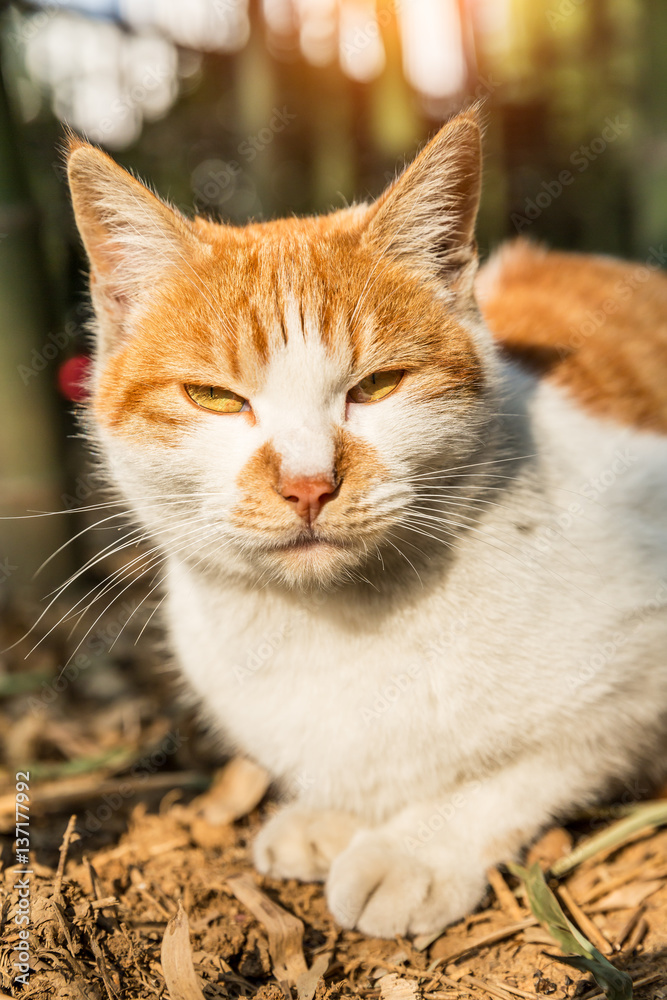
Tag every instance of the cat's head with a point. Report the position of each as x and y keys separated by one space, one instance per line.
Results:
x=273 y=399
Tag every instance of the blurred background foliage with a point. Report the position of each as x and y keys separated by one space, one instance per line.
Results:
x=257 y=108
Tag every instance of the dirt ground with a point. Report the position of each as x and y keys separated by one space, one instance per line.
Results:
x=152 y=883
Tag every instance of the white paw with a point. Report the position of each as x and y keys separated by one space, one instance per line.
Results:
x=383 y=890
x=300 y=843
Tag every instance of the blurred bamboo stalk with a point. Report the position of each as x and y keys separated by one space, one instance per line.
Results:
x=30 y=467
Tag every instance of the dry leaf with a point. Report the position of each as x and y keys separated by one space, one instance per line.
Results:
x=236 y=790
x=394 y=987
x=179 y=972
x=306 y=984
x=285 y=931
x=627 y=897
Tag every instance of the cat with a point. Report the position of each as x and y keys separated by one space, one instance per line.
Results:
x=412 y=515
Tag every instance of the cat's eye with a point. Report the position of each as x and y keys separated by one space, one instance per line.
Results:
x=375 y=386
x=210 y=397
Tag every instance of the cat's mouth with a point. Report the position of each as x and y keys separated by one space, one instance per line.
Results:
x=308 y=542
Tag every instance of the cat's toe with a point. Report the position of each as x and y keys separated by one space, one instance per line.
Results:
x=382 y=890
x=299 y=843
x=375 y=888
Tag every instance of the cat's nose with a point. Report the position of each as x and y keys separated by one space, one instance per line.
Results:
x=308 y=495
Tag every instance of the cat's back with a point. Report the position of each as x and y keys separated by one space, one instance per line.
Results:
x=595 y=327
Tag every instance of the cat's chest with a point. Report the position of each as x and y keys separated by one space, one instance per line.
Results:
x=313 y=700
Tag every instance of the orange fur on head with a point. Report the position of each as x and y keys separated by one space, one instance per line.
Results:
x=181 y=301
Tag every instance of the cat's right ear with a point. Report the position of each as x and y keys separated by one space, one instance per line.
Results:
x=131 y=237
x=426 y=218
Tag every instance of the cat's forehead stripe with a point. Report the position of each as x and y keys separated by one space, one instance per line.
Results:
x=250 y=301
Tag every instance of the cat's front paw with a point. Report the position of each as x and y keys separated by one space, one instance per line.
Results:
x=301 y=843
x=382 y=889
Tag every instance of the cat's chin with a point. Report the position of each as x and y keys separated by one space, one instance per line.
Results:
x=311 y=562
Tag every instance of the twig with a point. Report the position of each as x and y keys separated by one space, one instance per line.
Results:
x=102 y=966
x=590 y=929
x=56 y=795
x=516 y=990
x=495 y=991
x=637 y=935
x=64 y=848
x=506 y=898
x=493 y=937
x=629 y=927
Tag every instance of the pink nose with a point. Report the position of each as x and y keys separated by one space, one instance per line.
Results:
x=308 y=495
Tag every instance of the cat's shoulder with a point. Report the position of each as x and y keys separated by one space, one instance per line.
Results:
x=595 y=326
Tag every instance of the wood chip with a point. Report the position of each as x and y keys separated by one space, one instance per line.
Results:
x=236 y=790
x=442 y=950
x=628 y=897
x=471 y=983
x=584 y=922
x=639 y=873
x=506 y=898
x=99 y=904
x=285 y=931
x=551 y=846
x=638 y=935
x=177 y=966
x=501 y=992
x=628 y=928
x=515 y=990
x=394 y=987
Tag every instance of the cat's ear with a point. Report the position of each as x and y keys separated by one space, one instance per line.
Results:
x=131 y=237
x=426 y=219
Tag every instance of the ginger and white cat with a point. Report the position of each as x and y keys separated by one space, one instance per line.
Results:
x=416 y=559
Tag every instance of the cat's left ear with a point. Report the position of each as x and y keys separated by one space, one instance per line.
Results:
x=426 y=219
x=132 y=238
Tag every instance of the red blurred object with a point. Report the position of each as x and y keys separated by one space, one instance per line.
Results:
x=73 y=378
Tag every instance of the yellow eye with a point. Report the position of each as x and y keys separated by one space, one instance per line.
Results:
x=375 y=387
x=212 y=398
